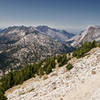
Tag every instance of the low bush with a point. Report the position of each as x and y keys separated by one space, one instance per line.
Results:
x=69 y=66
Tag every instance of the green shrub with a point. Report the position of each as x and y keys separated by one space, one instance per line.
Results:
x=41 y=71
x=2 y=97
x=49 y=65
x=69 y=66
x=62 y=60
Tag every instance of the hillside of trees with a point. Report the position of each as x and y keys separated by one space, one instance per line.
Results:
x=86 y=47
x=28 y=71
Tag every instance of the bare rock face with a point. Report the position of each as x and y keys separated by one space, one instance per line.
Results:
x=90 y=34
x=80 y=83
x=20 y=45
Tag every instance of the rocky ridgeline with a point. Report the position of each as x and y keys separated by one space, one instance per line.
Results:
x=91 y=33
x=20 y=45
x=80 y=83
x=61 y=35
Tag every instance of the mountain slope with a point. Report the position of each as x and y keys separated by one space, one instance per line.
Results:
x=14 y=33
x=90 y=34
x=62 y=84
x=61 y=35
x=21 y=45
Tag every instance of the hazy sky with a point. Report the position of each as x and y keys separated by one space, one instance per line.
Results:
x=65 y=14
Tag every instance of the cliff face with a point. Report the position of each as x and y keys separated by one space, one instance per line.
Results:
x=80 y=83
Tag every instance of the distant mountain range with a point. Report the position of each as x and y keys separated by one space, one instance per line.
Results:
x=20 y=45
x=90 y=34
x=61 y=35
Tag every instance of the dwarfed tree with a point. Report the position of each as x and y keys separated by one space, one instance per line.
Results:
x=69 y=66
x=94 y=44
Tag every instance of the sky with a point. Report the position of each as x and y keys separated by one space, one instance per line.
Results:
x=72 y=15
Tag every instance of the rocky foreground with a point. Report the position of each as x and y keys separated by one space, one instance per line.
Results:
x=81 y=83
